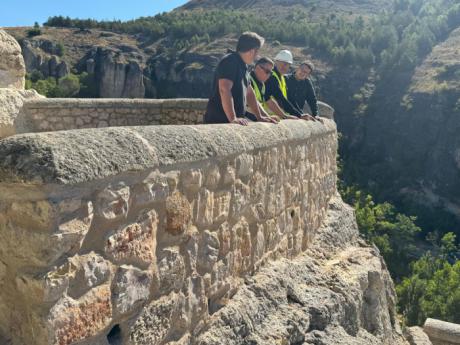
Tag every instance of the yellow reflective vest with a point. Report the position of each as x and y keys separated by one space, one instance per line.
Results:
x=259 y=92
x=281 y=82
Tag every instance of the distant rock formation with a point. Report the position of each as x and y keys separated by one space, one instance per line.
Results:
x=42 y=55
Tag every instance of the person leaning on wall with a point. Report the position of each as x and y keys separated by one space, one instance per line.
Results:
x=261 y=73
x=276 y=88
x=300 y=89
x=231 y=90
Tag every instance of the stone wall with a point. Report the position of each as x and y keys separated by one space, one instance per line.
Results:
x=62 y=113
x=103 y=228
x=43 y=115
x=441 y=332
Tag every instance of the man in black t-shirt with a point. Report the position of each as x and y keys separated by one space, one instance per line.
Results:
x=231 y=90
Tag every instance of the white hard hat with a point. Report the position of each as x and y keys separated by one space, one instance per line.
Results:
x=284 y=56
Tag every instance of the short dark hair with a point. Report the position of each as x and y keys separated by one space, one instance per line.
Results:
x=249 y=40
x=309 y=64
x=264 y=60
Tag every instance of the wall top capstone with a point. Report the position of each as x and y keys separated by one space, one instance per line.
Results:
x=71 y=157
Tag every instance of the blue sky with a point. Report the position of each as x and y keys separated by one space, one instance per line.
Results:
x=26 y=12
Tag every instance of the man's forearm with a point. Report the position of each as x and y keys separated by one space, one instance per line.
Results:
x=273 y=105
x=228 y=105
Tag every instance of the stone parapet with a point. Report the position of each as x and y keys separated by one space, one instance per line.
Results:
x=108 y=231
x=441 y=332
x=46 y=115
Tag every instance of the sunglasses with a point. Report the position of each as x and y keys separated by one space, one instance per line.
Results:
x=266 y=70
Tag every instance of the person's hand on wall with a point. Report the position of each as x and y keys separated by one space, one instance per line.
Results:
x=307 y=117
x=241 y=121
x=268 y=119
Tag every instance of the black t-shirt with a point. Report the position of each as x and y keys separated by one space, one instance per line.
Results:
x=272 y=89
x=301 y=91
x=233 y=68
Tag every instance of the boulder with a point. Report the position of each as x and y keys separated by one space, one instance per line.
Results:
x=12 y=69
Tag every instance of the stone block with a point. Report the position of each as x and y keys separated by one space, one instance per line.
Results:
x=244 y=165
x=208 y=251
x=192 y=180
x=155 y=321
x=240 y=198
x=136 y=243
x=74 y=320
x=221 y=207
x=77 y=276
x=131 y=288
x=112 y=202
x=178 y=213
x=155 y=188
x=225 y=239
x=40 y=232
x=205 y=208
x=442 y=332
x=212 y=177
x=171 y=270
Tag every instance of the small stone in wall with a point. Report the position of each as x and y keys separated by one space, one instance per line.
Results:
x=240 y=198
x=38 y=215
x=154 y=323
x=192 y=180
x=208 y=251
x=154 y=188
x=112 y=203
x=171 y=270
x=244 y=165
x=135 y=243
x=213 y=177
x=178 y=213
x=132 y=286
x=221 y=207
x=71 y=321
x=204 y=217
x=224 y=239
x=229 y=175
x=91 y=270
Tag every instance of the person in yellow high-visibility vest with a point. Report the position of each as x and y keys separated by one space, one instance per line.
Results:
x=261 y=73
x=276 y=88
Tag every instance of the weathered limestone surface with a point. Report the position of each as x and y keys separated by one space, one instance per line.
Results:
x=12 y=93
x=337 y=292
x=12 y=68
x=12 y=119
x=416 y=336
x=107 y=230
x=441 y=332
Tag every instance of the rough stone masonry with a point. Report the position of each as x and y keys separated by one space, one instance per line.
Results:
x=184 y=235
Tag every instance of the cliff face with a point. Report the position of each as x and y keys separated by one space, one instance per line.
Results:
x=338 y=292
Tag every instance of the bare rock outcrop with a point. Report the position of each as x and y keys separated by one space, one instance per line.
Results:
x=12 y=69
x=43 y=56
x=12 y=93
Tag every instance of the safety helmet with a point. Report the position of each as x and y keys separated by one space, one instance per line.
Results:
x=284 y=56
